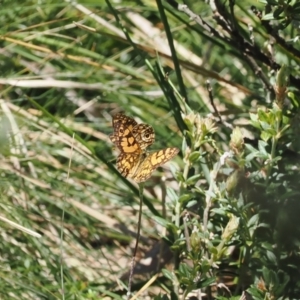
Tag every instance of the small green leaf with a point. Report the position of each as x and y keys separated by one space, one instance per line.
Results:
x=262 y=147
x=194 y=156
x=271 y=256
x=253 y=220
x=172 y=194
x=184 y=198
x=168 y=274
x=163 y=222
x=193 y=179
x=191 y=203
x=278 y=11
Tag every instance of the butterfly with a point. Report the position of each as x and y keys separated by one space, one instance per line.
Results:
x=132 y=139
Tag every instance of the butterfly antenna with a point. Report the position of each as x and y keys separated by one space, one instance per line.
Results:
x=141 y=191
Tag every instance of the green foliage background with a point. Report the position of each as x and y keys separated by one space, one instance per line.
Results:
x=221 y=220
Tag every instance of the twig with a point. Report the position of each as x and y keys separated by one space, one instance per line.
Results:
x=185 y=9
x=257 y=71
x=245 y=47
x=250 y=28
x=141 y=189
x=274 y=33
x=186 y=232
x=211 y=98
